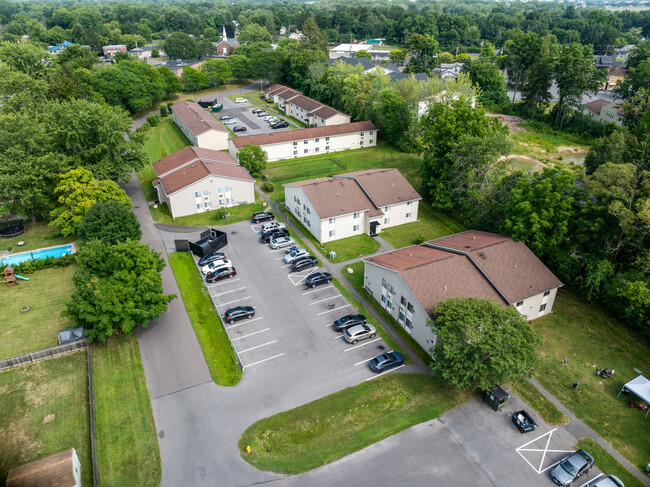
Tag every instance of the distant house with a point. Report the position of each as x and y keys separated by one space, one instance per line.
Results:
x=369 y=66
x=144 y=52
x=351 y=204
x=195 y=180
x=176 y=66
x=227 y=45
x=59 y=470
x=615 y=75
x=305 y=109
x=604 y=61
x=448 y=70
x=290 y=144
x=296 y=36
x=408 y=283
x=59 y=47
x=111 y=50
x=199 y=126
x=604 y=111
x=625 y=51
x=350 y=50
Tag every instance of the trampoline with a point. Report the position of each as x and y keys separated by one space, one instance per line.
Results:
x=12 y=230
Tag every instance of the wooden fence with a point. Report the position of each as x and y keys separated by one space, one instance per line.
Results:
x=28 y=358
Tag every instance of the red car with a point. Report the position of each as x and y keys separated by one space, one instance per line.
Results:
x=220 y=274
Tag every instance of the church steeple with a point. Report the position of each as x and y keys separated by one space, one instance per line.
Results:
x=224 y=37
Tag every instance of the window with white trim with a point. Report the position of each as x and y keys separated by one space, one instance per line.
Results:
x=332 y=221
x=306 y=151
x=326 y=139
x=355 y=215
x=197 y=194
x=547 y=293
x=386 y=220
x=332 y=233
x=542 y=307
x=327 y=147
x=317 y=140
x=355 y=228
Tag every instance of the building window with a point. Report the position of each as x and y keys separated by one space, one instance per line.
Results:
x=295 y=199
x=371 y=141
x=355 y=228
x=386 y=209
x=520 y=303
x=547 y=293
x=384 y=283
x=295 y=143
x=220 y=190
x=386 y=220
x=332 y=220
x=389 y=305
x=372 y=132
x=356 y=214
x=361 y=143
x=206 y=192
x=409 y=323
x=306 y=141
x=317 y=149
x=228 y=201
x=221 y=201
x=409 y=307
x=402 y=301
x=327 y=139
x=228 y=189
x=362 y=134
x=306 y=151
x=207 y=204
x=295 y=153
x=197 y=194
x=409 y=203
x=542 y=308
x=401 y=316
x=198 y=206
x=408 y=215
x=332 y=233
x=316 y=140
x=327 y=147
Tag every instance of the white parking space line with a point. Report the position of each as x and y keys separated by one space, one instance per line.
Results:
x=260 y=361
x=231 y=291
x=284 y=266
x=244 y=323
x=591 y=481
x=325 y=299
x=230 y=281
x=276 y=250
x=250 y=334
x=334 y=309
x=544 y=451
x=329 y=324
x=364 y=361
x=387 y=372
x=340 y=336
x=362 y=345
x=280 y=258
x=230 y=302
x=258 y=346
x=316 y=290
x=256 y=228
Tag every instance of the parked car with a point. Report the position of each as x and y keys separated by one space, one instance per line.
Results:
x=318 y=278
x=206 y=259
x=303 y=263
x=280 y=125
x=386 y=361
x=262 y=114
x=607 y=481
x=347 y=321
x=257 y=110
x=266 y=237
x=232 y=121
x=213 y=266
x=267 y=227
x=281 y=242
x=572 y=467
x=241 y=100
x=219 y=274
x=262 y=216
x=239 y=128
x=359 y=332
x=270 y=117
x=295 y=254
x=239 y=313
x=225 y=117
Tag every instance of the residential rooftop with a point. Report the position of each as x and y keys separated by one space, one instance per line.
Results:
x=196 y=118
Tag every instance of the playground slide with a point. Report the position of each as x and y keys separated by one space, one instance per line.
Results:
x=21 y=277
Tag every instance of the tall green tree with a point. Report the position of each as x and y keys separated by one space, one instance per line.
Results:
x=491 y=82
x=538 y=78
x=424 y=49
x=217 y=70
x=253 y=158
x=240 y=66
x=26 y=57
x=520 y=53
x=393 y=117
x=118 y=288
x=480 y=343
x=254 y=33
x=180 y=46
x=193 y=79
x=109 y=221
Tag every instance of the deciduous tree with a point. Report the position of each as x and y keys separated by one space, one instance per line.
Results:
x=253 y=158
x=109 y=221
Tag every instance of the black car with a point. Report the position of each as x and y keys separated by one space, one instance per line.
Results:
x=571 y=468
x=347 y=321
x=275 y=233
x=386 y=361
x=238 y=128
x=206 y=259
x=304 y=263
x=225 y=117
x=318 y=278
x=280 y=125
x=257 y=110
x=262 y=216
x=219 y=274
x=239 y=313
x=262 y=114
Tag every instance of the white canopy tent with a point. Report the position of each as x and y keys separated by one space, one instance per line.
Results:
x=639 y=387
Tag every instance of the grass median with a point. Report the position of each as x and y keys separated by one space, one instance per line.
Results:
x=607 y=463
x=127 y=442
x=209 y=329
x=347 y=421
x=538 y=402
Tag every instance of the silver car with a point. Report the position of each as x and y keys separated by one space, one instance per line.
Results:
x=295 y=254
x=359 y=332
x=571 y=467
x=607 y=481
x=213 y=266
x=267 y=227
x=281 y=242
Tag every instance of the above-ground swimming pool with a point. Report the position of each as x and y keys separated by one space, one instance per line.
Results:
x=37 y=254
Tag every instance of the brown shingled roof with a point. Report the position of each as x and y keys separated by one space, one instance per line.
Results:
x=596 y=105
x=54 y=471
x=273 y=88
x=286 y=93
x=305 y=102
x=300 y=134
x=196 y=118
x=334 y=197
x=384 y=186
x=325 y=112
x=189 y=154
x=616 y=70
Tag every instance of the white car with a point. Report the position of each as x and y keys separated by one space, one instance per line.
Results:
x=295 y=254
x=232 y=121
x=241 y=100
x=213 y=266
x=267 y=227
x=281 y=242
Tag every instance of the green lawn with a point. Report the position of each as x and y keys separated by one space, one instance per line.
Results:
x=164 y=139
x=431 y=224
x=282 y=172
x=46 y=293
x=607 y=463
x=127 y=443
x=589 y=338
x=36 y=236
x=334 y=426
x=356 y=279
x=209 y=329
x=538 y=402
x=209 y=218
x=45 y=411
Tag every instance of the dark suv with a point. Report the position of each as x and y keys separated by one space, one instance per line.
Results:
x=281 y=124
x=239 y=128
x=206 y=259
x=347 y=321
x=303 y=263
x=239 y=313
x=275 y=233
x=318 y=278
x=262 y=216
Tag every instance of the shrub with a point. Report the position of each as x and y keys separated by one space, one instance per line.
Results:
x=155 y=52
x=163 y=110
x=153 y=120
x=169 y=106
x=419 y=240
x=268 y=187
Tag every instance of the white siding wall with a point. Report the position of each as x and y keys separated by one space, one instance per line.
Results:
x=373 y=282
x=397 y=214
x=531 y=307
x=213 y=139
x=184 y=202
x=338 y=119
x=300 y=207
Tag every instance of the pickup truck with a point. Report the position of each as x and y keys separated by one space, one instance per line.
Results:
x=523 y=421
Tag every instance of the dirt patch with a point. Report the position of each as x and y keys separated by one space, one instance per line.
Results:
x=509 y=121
x=48 y=418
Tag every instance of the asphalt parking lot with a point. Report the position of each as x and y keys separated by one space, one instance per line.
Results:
x=255 y=125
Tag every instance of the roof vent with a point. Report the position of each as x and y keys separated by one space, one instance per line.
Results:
x=467 y=247
x=337 y=195
x=445 y=288
x=474 y=237
x=515 y=266
x=410 y=255
x=482 y=255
